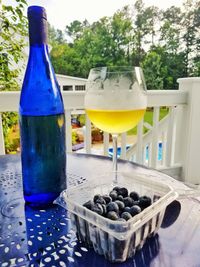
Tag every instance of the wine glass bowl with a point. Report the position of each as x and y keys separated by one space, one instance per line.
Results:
x=115 y=100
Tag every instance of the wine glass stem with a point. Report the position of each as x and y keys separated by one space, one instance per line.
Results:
x=115 y=168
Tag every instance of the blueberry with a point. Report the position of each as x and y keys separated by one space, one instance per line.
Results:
x=136 y=203
x=120 y=204
x=104 y=209
x=101 y=201
x=126 y=215
x=116 y=188
x=96 y=197
x=88 y=204
x=134 y=195
x=134 y=210
x=113 y=195
x=97 y=208
x=123 y=191
x=112 y=206
x=144 y=202
x=127 y=209
x=107 y=198
x=128 y=201
x=112 y=215
x=120 y=197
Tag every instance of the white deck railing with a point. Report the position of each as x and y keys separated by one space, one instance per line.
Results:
x=178 y=133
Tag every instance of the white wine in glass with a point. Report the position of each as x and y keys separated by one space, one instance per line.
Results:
x=115 y=101
x=115 y=121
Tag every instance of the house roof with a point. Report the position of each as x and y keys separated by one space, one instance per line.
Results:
x=70 y=77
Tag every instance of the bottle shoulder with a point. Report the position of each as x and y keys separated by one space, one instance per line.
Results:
x=40 y=90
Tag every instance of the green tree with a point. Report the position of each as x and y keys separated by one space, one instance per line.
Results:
x=170 y=29
x=107 y=41
x=13 y=26
x=152 y=15
x=175 y=68
x=190 y=30
x=171 y=67
x=121 y=29
x=170 y=49
x=76 y=28
x=152 y=66
x=66 y=60
x=144 y=29
x=56 y=36
x=167 y=39
x=196 y=70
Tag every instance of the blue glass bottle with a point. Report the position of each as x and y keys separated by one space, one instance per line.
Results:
x=42 y=120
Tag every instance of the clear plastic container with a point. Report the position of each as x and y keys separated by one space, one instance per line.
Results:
x=116 y=240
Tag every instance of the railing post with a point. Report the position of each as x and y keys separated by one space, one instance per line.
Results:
x=139 y=146
x=170 y=137
x=154 y=151
x=123 y=146
x=191 y=133
x=88 y=139
x=179 y=134
x=105 y=143
x=2 y=145
x=68 y=130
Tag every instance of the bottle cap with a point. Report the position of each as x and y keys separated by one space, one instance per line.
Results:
x=37 y=12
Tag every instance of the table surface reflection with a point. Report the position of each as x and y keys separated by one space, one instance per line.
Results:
x=44 y=238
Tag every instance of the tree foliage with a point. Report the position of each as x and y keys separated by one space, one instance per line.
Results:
x=152 y=66
x=166 y=43
x=13 y=29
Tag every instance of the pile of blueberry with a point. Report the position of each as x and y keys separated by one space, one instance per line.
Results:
x=119 y=205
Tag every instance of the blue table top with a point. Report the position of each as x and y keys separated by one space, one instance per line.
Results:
x=43 y=237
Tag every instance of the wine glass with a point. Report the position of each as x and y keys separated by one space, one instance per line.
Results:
x=115 y=101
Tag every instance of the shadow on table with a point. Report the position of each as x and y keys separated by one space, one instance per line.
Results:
x=172 y=213
x=142 y=257
x=44 y=237
x=51 y=243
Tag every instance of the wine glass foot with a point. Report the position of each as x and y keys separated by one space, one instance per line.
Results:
x=115 y=178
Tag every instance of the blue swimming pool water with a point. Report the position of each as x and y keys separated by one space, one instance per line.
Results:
x=160 y=150
x=110 y=151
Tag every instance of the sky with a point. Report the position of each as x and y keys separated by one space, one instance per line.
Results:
x=62 y=12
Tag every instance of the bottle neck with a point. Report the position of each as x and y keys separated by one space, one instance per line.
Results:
x=38 y=32
x=39 y=60
x=40 y=91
